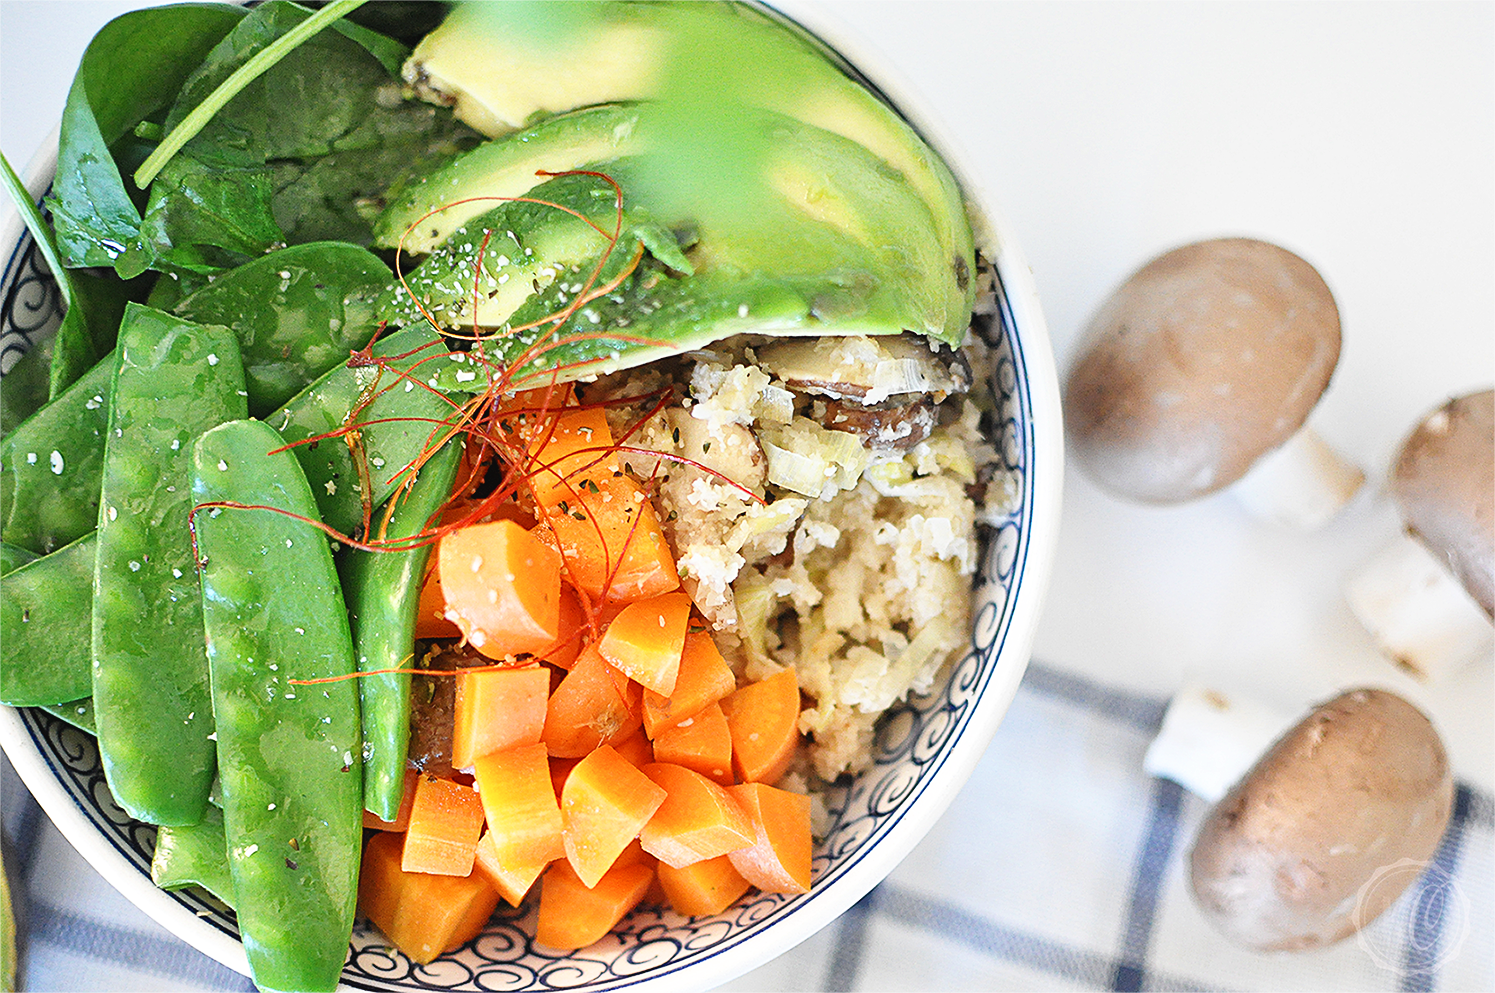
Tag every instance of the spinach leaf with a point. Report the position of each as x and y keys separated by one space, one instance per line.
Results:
x=131 y=71
x=291 y=155
x=90 y=325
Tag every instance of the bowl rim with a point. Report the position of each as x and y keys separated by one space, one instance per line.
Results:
x=1043 y=468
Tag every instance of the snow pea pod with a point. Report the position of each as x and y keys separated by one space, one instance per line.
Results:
x=383 y=591
x=46 y=646
x=288 y=755
x=78 y=713
x=173 y=381
x=194 y=855
x=409 y=413
x=12 y=557
x=50 y=466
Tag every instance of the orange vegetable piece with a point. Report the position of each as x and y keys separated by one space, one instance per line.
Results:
x=423 y=915
x=702 y=743
x=573 y=915
x=498 y=709
x=698 y=819
x=779 y=860
x=612 y=542
x=604 y=804
x=564 y=451
x=705 y=677
x=430 y=613
x=512 y=880
x=764 y=719
x=402 y=816
x=445 y=822
x=635 y=747
x=646 y=639
x=572 y=627
x=701 y=888
x=502 y=587
x=524 y=817
x=593 y=705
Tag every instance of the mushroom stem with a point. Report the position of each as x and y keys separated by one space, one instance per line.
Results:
x=1209 y=739
x=1302 y=484
x=1418 y=613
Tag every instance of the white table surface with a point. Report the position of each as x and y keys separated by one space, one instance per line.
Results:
x=1361 y=136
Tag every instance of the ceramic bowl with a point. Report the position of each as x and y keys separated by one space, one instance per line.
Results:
x=924 y=750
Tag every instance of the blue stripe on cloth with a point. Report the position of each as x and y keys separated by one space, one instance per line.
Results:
x=1430 y=903
x=846 y=958
x=143 y=952
x=1152 y=864
x=1141 y=712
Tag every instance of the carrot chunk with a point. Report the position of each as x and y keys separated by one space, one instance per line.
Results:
x=573 y=631
x=502 y=587
x=779 y=860
x=569 y=449
x=704 y=678
x=445 y=821
x=512 y=880
x=701 y=888
x=702 y=743
x=764 y=719
x=498 y=709
x=423 y=915
x=604 y=804
x=612 y=543
x=430 y=613
x=573 y=914
x=635 y=747
x=593 y=705
x=698 y=819
x=524 y=817
x=402 y=816
x=646 y=639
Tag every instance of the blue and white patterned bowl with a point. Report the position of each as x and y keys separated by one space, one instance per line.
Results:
x=924 y=750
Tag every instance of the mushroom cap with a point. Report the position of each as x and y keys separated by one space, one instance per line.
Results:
x=1309 y=846
x=1204 y=360
x=1444 y=483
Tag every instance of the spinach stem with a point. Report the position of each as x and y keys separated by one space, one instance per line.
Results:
x=32 y=216
x=230 y=87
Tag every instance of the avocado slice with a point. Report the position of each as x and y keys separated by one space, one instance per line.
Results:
x=500 y=65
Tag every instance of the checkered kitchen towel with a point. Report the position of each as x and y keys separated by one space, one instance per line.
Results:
x=1061 y=865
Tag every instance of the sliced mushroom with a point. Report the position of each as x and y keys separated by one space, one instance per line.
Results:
x=1429 y=598
x=1210 y=739
x=1204 y=361
x=887 y=426
x=867 y=369
x=1302 y=852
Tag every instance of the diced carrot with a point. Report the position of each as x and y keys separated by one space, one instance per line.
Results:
x=445 y=822
x=572 y=627
x=764 y=718
x=430 y=613
x=635 y=747
x=612 y=543
x=706 y=887
x=603 y=805
x=422 y=914
x=698 y=819
x=646 y=639
x=498 y=709
x=559 y=769
x=779 y=860
x=570 y=450
x=705 y=677
x=402 y=816
x=594 y=704
x=512 y=880
x=702 y=743
x=502 y=588
x=573 y=915
x=524 y=816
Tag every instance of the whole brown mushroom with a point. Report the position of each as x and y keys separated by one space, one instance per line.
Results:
x=1202 y=363
x=1283 y=861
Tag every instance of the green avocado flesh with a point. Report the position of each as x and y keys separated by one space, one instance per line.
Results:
x=815 y=212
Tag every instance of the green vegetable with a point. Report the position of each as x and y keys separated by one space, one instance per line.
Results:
x=383 y=591
x=194 y=855
x=288 y=755
x=12 y=558
x=7 y=934
x=173 y=381
x=78 y=713
x=42 y=605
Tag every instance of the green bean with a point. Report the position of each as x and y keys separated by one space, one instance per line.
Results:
x=46 y=642
x=288 y=755
x=194 y=855
x=383 y=592
x=174 y=380
x=78 y=713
